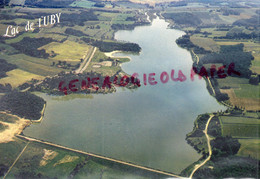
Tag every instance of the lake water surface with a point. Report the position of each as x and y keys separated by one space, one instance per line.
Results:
x=146 y=126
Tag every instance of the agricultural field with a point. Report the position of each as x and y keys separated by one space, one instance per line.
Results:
x=206 y=43
x=249 y=147
x=248 y=91
x=241 y=130
x=214 y=31
x=232 y=82
x=9 y=152
x=40 y=160
x=83 y=3
x=37 y=66
x=66 y=51
x=240 y=127
x=17 y=77
x=65 y=46
x=251 y=104
x=20 y=37
x=246 y=129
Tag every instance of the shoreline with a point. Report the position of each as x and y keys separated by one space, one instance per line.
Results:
x=18 y=127
x=42 y=114
x=13 y=128
x=111 y=54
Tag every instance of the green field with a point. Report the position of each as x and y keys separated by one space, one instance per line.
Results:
x=240 y=127
x=241 y=130
x=67 y=51
x=232 y=82
x=37 y=66
x=40 y=160
x=32 y=162
x=83 y=3
x=246 y=130
x=240 y=120
x=20 y=37
x=17 y=77
x=206 y=43
x=248 y=91
x=214 y=32
x=249 y=147
x=10 y=151
x=121 y=19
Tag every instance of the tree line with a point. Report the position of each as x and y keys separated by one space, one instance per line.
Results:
x=29 y=46
x=112 y=46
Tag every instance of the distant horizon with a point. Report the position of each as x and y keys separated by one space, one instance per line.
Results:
x=152 y=2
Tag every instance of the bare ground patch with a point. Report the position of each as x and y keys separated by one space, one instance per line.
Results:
x=66 y=159
x=13 y=128
x=48 y=155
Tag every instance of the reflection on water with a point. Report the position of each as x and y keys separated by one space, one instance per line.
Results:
x=146 y=126
x=71 y=97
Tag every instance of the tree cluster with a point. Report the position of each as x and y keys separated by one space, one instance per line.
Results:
x=49 y=3
x=74 y=32
x=112 y=46
x=5 y=67
x=183 y=18
x=29 y=46
x=127 y=26
x=99 y=4
x=231 y=54
x=224 y=146
x=5 y=88
x=23 y=104
x=253 y=21
x=4 y=3
x=78 y=19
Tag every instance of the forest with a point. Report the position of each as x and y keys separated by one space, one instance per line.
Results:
x=112 y=46
x=22 y=104
x=49 y=3
x=183 y=18
x=29 y=46
x=231 y=54
x=253 y=21
x=74 y=32
x=78 y=19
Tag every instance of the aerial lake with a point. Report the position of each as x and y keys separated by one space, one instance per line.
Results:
x=146 y=126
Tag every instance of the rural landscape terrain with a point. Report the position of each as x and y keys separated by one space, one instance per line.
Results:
x=66 y=47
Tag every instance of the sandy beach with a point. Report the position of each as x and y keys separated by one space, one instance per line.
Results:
x=110 y=54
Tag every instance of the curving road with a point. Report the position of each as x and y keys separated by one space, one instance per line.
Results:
x=209 y=146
